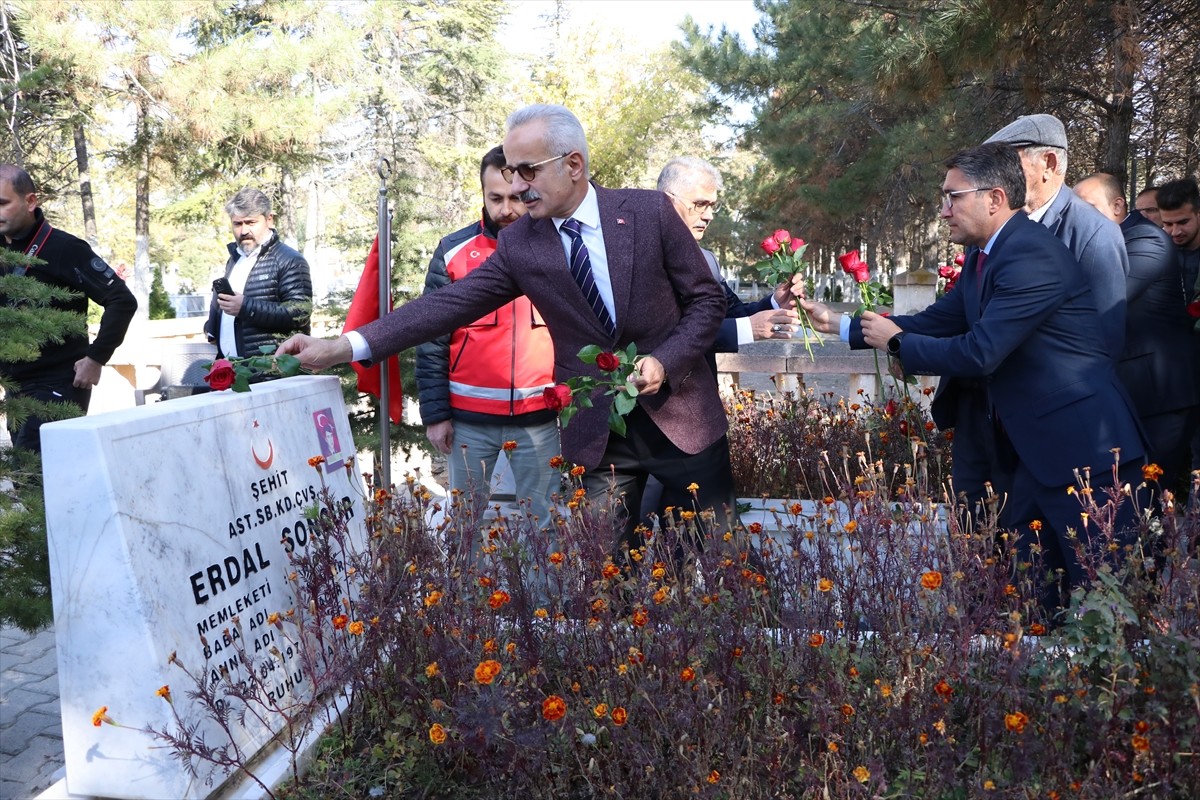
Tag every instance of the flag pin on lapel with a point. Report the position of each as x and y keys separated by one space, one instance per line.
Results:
x=620 y=220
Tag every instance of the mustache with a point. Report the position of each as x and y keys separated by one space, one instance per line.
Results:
x=529 y=195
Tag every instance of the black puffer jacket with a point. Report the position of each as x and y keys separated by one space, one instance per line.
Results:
x=277 y=302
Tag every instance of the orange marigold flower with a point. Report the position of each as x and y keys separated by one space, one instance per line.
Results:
x=340 y=621
x=1010 y=590
x=816 y=640
x=1141 y=726
x=824 y=585
x=557 y=461
x=929 y=426
x=437 y=734
x=619 y=715
x=796 y=508
x=847 y=710
x=737 y=652
x=944 y=690
x=931 y=580
x=777 y=698
x=714 y=777
x=541 y=613
x=316 y=461
x=432 y=670
x=101 y=717
x=687 y=674
x=498 y=598
x=1037 y=629
x=1140 y=743
x=489 y=646
x=576 y=471
x=487 y=671
x=1151 y=472
x=885 y=690
x=755 y=528
x=356 y=628
x=640 y=617
x=1016 y=721
x=433 y=598
x=164 y=692
x=862 y=774
x=693 y=487
x=923 y=738
x=554 y=708
x=636 y=656
x=600 y=710
x=509 y=446
x=850 y=527
x=828 y=500
x=660 y=596
x=485 y=581
x=610 y=570
x=1036 y=525
x=555 y=558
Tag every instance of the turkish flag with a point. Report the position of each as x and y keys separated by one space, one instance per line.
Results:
x=364 y=308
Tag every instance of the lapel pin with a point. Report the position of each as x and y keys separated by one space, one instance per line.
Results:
x=620 y=220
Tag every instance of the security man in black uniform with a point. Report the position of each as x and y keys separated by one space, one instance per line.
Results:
x=64 y=371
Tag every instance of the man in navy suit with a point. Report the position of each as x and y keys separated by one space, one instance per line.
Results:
x=1158 y=331
x=1021 y=332
x=647 y=283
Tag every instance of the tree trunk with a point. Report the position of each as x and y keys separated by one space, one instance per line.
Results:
x=85 y=186
x=1126 y=60
x=1191 y=129
x=140 y=285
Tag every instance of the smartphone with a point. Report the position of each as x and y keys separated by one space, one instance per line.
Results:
x=221 y=286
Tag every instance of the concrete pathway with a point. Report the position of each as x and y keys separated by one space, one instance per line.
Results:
x=31 y=744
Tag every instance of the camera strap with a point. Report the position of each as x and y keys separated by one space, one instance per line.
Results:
x=39 y=240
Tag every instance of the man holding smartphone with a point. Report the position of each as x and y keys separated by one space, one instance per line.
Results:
x=265 y=294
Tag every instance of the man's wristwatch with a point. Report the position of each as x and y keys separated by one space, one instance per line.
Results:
x=893 y=343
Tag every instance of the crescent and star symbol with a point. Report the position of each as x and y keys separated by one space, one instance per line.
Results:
x=263 y=463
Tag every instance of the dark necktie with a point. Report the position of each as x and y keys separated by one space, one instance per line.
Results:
x=979 y=271
x=581 y=271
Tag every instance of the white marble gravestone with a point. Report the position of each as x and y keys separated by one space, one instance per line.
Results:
x=164 y=522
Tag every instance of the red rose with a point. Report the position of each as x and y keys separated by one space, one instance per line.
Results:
x=220 y=375
x=852 y=264
x=890 y=408
x=607 y=362
x=1193 y=309
x=947 y=272
x=960 y=259
x=781 y=236
x=770 y=246
x=797 y=244
x=557 y=397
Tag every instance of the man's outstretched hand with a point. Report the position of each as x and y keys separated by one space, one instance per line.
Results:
x=317 y=354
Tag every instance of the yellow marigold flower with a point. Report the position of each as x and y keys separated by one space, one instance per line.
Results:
x=619 y=715
x=659 y=570
x=824 y=585
x=1061 y=698
x=432 y=670
x=509 y=446
x=164 y=692
x=498 y=598
x=714 y=777
x=940 y=726
x=816 y=640
x=693 y=487
x=356 y=628
x=433 y=598
x=1139 y=743
x=437 y=734
x=688 y=516
x=101 y=717
x=487 y=671
x=554 y=708
x=885 y=690
x=600 y=710
x=622 y=669
x=850 y=527
x=541 y=613
x=862 y=774
x=316 y=461
x=273 y=618
x=989 y=785
x=931 y=580
x=660 y=596
x=1016 y=721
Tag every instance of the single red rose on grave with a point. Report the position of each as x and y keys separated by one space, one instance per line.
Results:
x=770 y=246
x=797 y=244
x=221 y=375
x=557 y=397
x=1193 y=309
x=607 y=362
x=782 y=236
x=890 y=408
x=960 y=259
x=852 y=264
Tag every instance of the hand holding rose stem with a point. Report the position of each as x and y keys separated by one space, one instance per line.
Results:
x=782 y=264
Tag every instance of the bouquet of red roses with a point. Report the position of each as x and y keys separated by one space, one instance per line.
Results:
x=785 y=258
x=618 y=367
x=950 y=273
x=874 y=293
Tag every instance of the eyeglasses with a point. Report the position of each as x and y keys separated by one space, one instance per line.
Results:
x=948 y=197
x=527 y=171
x=700 y=205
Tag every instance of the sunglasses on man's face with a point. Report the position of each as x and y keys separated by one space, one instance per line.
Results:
x=527 y=171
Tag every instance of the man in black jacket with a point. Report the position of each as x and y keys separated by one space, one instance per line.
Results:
x=267 y=293
x=63 y=371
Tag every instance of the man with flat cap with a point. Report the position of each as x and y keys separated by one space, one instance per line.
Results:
x=1096 y=243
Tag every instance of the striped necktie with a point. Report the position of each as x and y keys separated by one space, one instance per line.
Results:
x=581 y=271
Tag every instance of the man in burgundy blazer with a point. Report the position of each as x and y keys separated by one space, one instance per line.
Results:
x=656 y=288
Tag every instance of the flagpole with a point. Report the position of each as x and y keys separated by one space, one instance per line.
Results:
x=385 y=295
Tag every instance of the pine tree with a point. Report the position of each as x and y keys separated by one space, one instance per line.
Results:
x=160 y=301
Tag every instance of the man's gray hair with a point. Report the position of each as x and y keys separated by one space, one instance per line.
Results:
x=1037 y=151
x=248 y=202
x=564 y=134
x=685 y=172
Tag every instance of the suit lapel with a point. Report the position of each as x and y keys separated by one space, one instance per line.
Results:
x=617 y=224
x=551 y=258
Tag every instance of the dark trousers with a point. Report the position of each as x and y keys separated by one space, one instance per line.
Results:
x=1169 y=438
x=645 y=451
x=51 y=388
